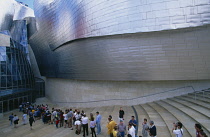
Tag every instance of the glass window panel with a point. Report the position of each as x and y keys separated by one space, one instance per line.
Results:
x=14 y=69
x=13 y=59
x=23 y=69
x=15 y=82
x=12 y=50
x=9 y=81
x=19 y=83
x=9 y=71
x=8 y=49
x=2 y=49
x=17 y=59
x=21 y=59
x=1 y=58
x=9 y=58
x=3 y=81
x=4 y=57
x=3 y=68
x=24 y=59
x=19 y=75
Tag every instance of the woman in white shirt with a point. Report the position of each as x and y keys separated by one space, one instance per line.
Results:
x=15 y=120
x=24 y=118
x=131 y=130
x=78 y=126
x=177 y=130
x=65 y=119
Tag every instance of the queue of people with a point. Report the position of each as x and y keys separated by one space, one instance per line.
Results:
x=80 y=121
x=30 y=114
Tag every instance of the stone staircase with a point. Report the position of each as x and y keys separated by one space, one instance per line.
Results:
x=163 y=112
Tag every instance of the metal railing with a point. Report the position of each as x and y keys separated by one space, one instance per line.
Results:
x=202 y=91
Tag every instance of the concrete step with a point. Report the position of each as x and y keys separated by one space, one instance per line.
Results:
x=195 y=115
x=197 y=102
x=203 y=110
x=162 y=129
x=141 y=115
x=204 y=95
x=168 y=118
x=199 y=98
x=182 y=117
x=164 y=113
x=158 y=110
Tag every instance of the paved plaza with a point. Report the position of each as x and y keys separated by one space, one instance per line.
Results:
x=164 y=113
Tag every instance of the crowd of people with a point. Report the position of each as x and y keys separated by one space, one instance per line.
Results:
x=80 y=122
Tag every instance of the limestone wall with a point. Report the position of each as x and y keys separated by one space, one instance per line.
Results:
x=74 y=93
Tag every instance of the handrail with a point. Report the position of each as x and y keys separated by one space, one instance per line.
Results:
x=197 y=92
x=202 y=91
x=130 y=98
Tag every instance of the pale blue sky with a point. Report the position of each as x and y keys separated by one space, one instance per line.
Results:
x=28 y=2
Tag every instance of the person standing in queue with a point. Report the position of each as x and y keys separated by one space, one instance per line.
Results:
x=98 y=123
x=110 y=126
x=121 y=114
x=31 y=120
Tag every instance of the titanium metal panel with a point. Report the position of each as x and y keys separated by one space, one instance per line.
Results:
x=22 y=11
x=122 y=40
x=6 y=14
x=12 y=10
x=4 y=40
x=167 y=55
x=64 y=20
x=31 y=26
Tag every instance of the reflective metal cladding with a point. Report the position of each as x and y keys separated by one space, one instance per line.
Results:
x=11 y=10
x=64 y=20
x=123 y=39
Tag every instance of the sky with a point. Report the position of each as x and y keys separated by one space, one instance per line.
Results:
x=28 y=2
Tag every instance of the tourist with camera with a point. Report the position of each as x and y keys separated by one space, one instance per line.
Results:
x=177 y=130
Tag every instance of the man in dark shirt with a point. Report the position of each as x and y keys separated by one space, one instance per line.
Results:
x=121 y=114
x=152 y=129
x=11 y=119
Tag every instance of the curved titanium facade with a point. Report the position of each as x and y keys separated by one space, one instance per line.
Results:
x=64 y=20
x=123 y=40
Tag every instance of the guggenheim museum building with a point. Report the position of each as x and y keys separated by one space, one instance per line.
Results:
x=108 y=52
